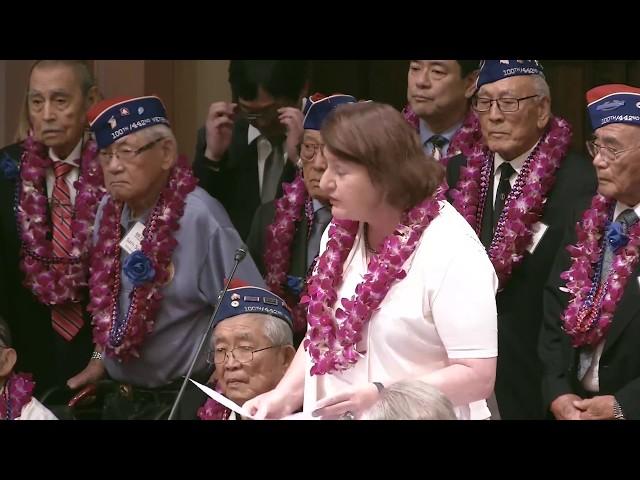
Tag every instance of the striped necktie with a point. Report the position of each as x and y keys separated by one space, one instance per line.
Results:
x=67 y=318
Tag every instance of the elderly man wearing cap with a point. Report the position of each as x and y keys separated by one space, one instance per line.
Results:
x=162 y=248
x=439 y=93
x=285 y=235
x=251 y=349
x=518 y=190
x=589 y=343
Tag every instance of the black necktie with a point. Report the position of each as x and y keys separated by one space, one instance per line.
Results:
x=273 y=167
x=504 y=188
x=438 y=142
x=321 y=219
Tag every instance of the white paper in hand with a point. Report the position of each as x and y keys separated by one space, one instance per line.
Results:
x=218 y=397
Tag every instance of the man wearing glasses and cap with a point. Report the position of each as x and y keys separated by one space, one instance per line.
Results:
x=162 y=248
x=248 y=147
x=250 y=350
x=589 y=343
x=519 y=190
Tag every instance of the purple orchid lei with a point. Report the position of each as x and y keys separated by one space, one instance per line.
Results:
x=463 y=141
x=591 y=307
x=122 y=339
x=524 y=205
x=17 y=392
x=64 y=282
x=212 y=410
x=331 y=342
x=280 y=234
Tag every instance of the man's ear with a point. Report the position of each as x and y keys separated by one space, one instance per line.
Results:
x=93 y=97
x=470 y=83
x=544 y=112
x=288 y=353
x=169 y=153
x=8 y=357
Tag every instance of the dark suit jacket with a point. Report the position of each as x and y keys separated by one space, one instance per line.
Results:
x=236 y=183
x=519 y=372
x=41 y=351
x=619 y=368
x=257 y=236
x=298 y=267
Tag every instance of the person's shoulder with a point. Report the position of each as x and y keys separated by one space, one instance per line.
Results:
x=449 y=231
x=34 y=410
x=200 y=205
x=13 y=151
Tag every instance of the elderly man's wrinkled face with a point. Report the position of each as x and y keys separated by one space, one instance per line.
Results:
x=512 y=133
x=134 y=166
x=313 y=163
x=436 y=88
x=247 y=373
x=618 y=173
x=57 y=107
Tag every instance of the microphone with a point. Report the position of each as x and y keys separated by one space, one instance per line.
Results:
x=237 y=258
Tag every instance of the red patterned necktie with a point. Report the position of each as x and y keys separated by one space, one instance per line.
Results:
x=67 y=318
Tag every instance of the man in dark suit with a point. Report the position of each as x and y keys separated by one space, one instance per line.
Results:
x=589 y=341
x=285 y=235
x=519 y=189
x=43 y=281
x=248 y=147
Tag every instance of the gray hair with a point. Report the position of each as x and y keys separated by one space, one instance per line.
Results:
x=277 y=330
x=411 y=400
x=541 y=86
x=154 y=132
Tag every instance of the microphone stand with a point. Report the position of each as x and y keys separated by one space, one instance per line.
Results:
x=238 y=257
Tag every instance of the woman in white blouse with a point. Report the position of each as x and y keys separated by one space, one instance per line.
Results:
x=403 y=288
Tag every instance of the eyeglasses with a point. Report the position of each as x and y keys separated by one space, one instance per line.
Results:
x=241 y=354
x=266 y=114
x=308 y=151
x=505 y=104
x=607 y=153
x=126 y=153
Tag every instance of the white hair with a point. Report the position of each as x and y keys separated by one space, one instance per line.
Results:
x=154 y=132
x=277 y=330
x=541 y=86
x=411 y=400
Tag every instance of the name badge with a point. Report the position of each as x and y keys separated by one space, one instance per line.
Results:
x=538 y=231
x=131 y=242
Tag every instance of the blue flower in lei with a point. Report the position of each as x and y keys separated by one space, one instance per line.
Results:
x=295 y=284
x=138 y=268
x=616 y=236
x=9 y=168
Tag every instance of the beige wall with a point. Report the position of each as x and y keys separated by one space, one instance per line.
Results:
x=198 y=83
x=14 y=75
x=186 y=86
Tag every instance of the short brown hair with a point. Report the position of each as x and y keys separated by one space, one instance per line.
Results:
x=376 y=136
